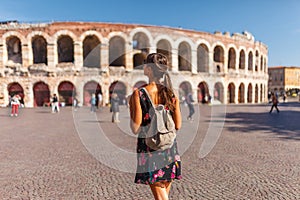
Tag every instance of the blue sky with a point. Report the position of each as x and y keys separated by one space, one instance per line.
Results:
x=273 y=22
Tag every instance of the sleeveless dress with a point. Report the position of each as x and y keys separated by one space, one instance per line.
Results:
x=154 y=166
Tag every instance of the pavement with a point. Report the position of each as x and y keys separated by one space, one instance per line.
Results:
x=227 y=152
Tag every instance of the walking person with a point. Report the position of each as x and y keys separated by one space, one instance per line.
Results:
x=99 y=99
x=274 y=103
x=93 y=103
x=15 y=103
x=155 y=168
x=189 y=100
x=55 y=104
x=114 y=107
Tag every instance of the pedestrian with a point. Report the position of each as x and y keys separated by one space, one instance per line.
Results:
x=55 y=104
x=274 y=103
x=114 y=107
x=155 y=168
x=284 y=97
x=15 y=103
x=99 y=98
x=93 y=102
x=75 y=103
x=189 y=101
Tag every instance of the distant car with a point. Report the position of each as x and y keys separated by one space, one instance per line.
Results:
x=294 y=94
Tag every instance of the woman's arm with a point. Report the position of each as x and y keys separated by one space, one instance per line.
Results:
x=135 y=112
x=177 y=114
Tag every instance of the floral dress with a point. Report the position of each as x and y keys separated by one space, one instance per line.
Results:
x=154 y=166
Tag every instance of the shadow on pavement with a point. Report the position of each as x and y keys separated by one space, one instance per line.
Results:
x=285 y=124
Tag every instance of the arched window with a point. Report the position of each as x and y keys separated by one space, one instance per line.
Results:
x=39 y=50
x=117 y=51
x=91 y=52
x=184 y=57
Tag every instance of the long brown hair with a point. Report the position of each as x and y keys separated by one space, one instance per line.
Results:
x=159 y=65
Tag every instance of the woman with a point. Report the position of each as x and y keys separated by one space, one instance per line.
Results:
x=114 y=101
x=155 y=168
x=15 y=103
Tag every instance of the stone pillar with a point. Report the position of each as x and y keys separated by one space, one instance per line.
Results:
x=194 y=62
x=105 y=93
x=225 y=64
x=236 y=95
x=25 y=55
x=128 y=57
x=104 y=59
x=1 y=55
x=78 y=55
x=52 y=55
x=225 y=91
x=174 y=60
x=237 y=62
x=210 y=63
x=246 y=63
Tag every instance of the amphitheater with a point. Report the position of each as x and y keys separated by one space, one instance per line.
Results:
x=76 y=59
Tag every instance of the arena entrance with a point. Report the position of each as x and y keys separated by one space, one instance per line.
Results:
x=66 y=91
x=231 y=93
x=16 y=88
x=184 y=89
x=219 y=92
x=203 y=93
x=41 y=94
x=91 y=87
x=119 y=88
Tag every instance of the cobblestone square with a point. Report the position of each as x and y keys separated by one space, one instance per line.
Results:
x=43 y=155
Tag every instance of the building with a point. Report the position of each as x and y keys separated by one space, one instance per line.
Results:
x=80 y=58
x=284 y=79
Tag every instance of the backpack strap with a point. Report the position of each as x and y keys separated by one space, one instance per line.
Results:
x=148 y=96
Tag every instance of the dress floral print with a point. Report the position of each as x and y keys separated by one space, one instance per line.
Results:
x=154 y=166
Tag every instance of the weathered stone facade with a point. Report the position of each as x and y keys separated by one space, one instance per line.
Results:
x=80 y=58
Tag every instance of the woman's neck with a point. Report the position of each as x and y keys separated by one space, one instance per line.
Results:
x=153 y=81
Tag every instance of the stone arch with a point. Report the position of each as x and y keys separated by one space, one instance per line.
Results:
x=219 y=92
x=218 y=57
x=89 y=88
x=164 y=47
x=241 y=93
x=15 y=88
x=92 y=33
x=145 y=32
x=256 y=60
x=117 y=51
x=219 y=54
x=184 y=57
x=66 y=92
x=203 y=92
x=14 y=49
x=91 y=51
x=141 y=48
x=120 y=89
x=250 y=61
x=202 y=58
x=249 y=93
x=39 y=49
x=231 y=93
x=242 y=59
x=261 y=93
x=231 y=58
x=261 y=63
x=184 y=89
x=41 y=94
x=65 y=49
x=256 y=94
